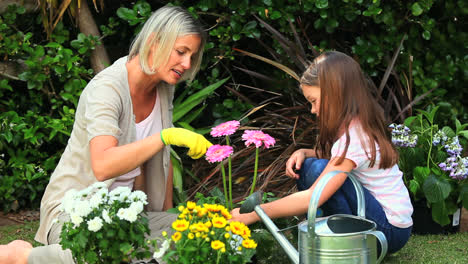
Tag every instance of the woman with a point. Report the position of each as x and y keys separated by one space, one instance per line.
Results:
x=352 y=137
x=122 y=124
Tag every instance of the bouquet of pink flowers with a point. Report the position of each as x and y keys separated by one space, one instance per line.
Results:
x=218 y=153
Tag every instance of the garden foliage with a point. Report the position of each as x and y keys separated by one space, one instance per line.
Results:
x=38 y=101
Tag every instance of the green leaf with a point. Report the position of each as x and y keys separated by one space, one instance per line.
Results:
x=320 y=4
x=463 y=198
x=414 y=187
x=416 y=9
x=194 y=100
x=125 y=248
x=420 y=174
x=126 y=14
x=440 y=213
x=436 y=189
x=448 y=131
x=464 y=133
x=275 y=15
x=426 y=35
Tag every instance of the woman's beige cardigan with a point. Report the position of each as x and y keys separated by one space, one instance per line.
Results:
x=104 y=108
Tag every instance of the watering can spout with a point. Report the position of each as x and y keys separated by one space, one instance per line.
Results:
x=252 y=203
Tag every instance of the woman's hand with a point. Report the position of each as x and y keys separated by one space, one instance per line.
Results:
x=196 y=143
x=295 y=162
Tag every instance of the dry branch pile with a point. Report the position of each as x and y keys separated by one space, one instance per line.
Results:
x=292 y=127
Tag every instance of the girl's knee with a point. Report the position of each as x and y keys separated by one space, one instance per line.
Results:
x=15 y=252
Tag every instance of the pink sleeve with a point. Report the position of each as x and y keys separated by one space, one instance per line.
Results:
x=355 y=152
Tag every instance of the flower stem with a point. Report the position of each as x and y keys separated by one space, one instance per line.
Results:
x=230 y=177
x=224 y=184
x=255 y=171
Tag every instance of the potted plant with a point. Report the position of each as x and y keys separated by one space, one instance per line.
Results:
x=202 y=233
x=105 y=227
x=434 y=167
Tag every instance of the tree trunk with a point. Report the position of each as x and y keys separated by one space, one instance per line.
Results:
x=99 y=57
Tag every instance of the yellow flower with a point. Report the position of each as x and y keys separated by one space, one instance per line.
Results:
x=164 y=233
x=226 y=213
x=239 y=228
x=201 y=227
x=239 y=248
x=190 y=235
x=223 y=250
x=198 y=234
x=180 y=225
x=216 y=244
x=219 y=222
x=207 y=239
x=176 y=236
x=227 y=235
x=228 y=228
x=208 y=224
x=249 y=243
x=191 y=205
x=202 y=212
x=212 y=233
x=181 y=208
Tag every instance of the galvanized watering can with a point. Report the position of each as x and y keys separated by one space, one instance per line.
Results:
x=335 y=239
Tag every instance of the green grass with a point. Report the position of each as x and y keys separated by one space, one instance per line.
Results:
x=433 y=249
x=25 y=231
x=451 y=249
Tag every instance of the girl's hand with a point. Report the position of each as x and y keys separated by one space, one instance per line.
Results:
x=247 y=219
x=295 y=163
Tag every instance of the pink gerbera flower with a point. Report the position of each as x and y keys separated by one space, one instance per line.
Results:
x=218 y=153
x=258 y=138
x=225 y=129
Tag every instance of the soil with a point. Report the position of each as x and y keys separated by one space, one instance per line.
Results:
x=17 y=218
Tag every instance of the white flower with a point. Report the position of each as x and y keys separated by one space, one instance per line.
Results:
x=105 y=215
x=95 y=224
x=98 y=198
x=164 y=247
x=85 y=192
x=236 y=242
x=137 y=207
x=99 y=185
x=138 y=196
x=127 y=214
x=120 y=193
x=68 y=201
x=82 y=208
x=76 y=219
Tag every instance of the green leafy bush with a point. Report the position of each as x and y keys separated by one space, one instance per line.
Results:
x=433 y=165
x=37 y=115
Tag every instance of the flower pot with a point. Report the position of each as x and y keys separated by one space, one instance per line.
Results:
x=423 y=223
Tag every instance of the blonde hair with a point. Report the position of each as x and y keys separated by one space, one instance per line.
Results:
x=163 y=28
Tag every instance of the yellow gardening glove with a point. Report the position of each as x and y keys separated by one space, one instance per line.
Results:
x=196 y=143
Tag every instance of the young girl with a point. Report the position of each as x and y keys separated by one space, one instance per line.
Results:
x=352 y=137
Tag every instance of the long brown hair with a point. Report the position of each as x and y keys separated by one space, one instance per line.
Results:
x=345 y=96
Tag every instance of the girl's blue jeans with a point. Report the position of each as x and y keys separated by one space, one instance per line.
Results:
x=344 y=201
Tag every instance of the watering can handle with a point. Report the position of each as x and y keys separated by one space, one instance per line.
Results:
x=383 y=243
x=313 y=204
